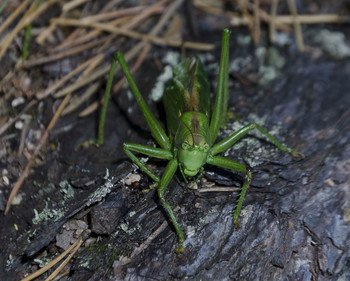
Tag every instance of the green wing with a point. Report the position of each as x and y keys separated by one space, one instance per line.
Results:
x=189 y=91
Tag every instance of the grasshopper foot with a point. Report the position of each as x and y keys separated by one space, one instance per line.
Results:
x=87 y=144
x=179 y=249
x=236 y=225
x=151 y=187
x=297 y=154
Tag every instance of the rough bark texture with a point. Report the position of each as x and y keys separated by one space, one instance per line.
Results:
x=295 y=222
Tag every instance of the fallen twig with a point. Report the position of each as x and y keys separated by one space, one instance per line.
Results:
x=13 y=120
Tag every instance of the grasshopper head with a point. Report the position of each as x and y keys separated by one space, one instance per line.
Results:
x=192 y=154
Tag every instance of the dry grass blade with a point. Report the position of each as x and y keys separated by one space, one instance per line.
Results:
x=210 y=9
x=69 y=41
x=18 y=185
x=123 y=19
x=13 y=16
x=114 y=14
x=68 y=53
x=10 y=122
x=27 y=19
x=52 y=263
x=91 y=108
x=263 y=16
x=31 y=160
x=272 y=25
x=63 y=264
x=156 y=8
x=128 y=56
x=83 y=82
x=297 y=26
x=134 y=34
x=79 y=100
x=24 y=132
x=72 y=4
x=219 y=189
x=288 y=19
x=314 y=19
x=246 y=15
x=65 y=9
x=93 y=61
x=136 y=49
x=97 y=74
x=256 y=22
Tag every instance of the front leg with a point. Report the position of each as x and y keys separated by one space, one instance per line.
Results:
x=236 y=136
x=157 y=131
x=163 y=182
x=167 y=176
x=147 y=150
x=232 y=165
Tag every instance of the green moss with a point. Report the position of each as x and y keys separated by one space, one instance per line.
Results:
x=99 y=257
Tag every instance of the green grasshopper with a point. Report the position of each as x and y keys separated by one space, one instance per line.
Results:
x=192 y=132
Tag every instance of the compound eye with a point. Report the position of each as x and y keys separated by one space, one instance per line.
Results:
x=185 y=146
x=206 y=147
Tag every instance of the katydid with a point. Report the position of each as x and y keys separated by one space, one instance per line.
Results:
x=190 y=143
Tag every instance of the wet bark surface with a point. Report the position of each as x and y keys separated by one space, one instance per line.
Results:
x=295 y=221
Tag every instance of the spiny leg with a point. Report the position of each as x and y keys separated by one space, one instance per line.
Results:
x=220 y=106
x=167 y=176
x=157 y=131
x=279 y=145
x=229 y=141
x=232 y=165
x=162 y=139
x=147 y=150
x=163 y=183
x=229 y=164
